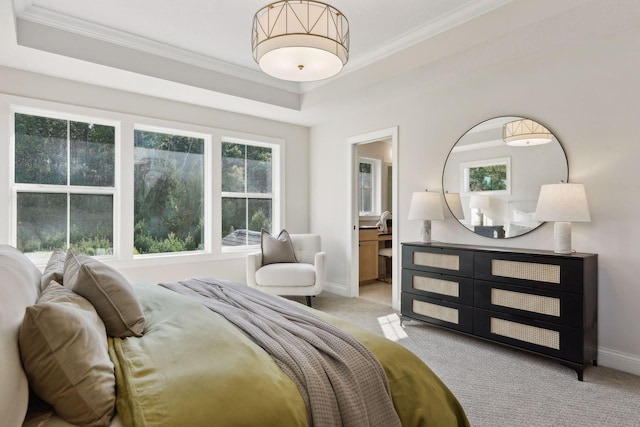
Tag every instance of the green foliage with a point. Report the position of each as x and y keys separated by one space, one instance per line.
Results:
x=41 y=150
x=169 y=193
x=488 y=178
x=42 y=144
x=92 y=154
x=168 y=187
x=246 y=169
x=260 y=220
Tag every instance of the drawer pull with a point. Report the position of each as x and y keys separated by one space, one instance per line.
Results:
x=526 y=302
x=435 y=311
x=548 y=273
x=527 y=333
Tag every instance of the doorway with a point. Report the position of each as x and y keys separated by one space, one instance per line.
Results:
x=373 y=191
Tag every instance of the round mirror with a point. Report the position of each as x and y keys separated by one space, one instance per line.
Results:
x=493 y=174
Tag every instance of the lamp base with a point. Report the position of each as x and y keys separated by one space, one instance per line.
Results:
x=562 y=237
x=425 y=231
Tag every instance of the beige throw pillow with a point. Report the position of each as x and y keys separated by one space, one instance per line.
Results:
x=109 y=292
x=63 y=345
x=276 y=249
x=54 y=269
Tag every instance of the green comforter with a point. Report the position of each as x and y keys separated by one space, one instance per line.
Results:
x=193 y=368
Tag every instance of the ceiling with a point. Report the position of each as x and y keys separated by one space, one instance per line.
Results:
x=199 y=51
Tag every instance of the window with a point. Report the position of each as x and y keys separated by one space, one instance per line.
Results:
x=131 y=188
x=487 y=176
x=247 y=192
x=64 y=184
x=168 y=192
x=369 y=186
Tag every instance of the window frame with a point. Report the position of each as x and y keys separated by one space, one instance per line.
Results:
x=67 y=188
x=276 y=186
x=376 y=187
x=206 y=187
x=125 y=123
x=465 y=179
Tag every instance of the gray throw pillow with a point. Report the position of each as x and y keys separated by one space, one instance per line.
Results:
x=109 y=292
x=276 y=249
x=63 y=345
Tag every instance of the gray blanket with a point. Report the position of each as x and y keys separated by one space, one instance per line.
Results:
x=340 y=380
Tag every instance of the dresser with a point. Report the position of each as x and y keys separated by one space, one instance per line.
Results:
x=538 y=301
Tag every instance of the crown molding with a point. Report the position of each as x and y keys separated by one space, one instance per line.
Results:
x=430 y=29
x=25 y=10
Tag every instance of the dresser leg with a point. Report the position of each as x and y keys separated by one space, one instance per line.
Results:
x=580 y=372
x=595 y=362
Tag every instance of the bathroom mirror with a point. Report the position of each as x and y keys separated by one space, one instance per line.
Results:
x=493 y=173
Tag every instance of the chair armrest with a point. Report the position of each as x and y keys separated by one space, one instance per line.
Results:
x=320 y=264
x=254 y=262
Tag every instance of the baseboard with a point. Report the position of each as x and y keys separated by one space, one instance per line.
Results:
x=337 y=289
x=617 y=360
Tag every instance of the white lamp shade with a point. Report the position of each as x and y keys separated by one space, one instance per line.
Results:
x=562 y=202
x=455 y=205
x=479 y=202
x=426 y=205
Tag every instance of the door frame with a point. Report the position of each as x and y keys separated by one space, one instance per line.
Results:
x=353 y=210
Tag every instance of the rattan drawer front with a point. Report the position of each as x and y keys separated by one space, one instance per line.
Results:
x=436 y=286
x=526 y=302
x=459 y=263
x=558 y=273
x=428 y=259
x=551 y=306
x=437 y=312
x=526 y=333
x=542 y=337
x=549 y=273
x=441 y=286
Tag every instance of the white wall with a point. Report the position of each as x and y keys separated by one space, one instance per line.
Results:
x=226 y=266
x=587 y=92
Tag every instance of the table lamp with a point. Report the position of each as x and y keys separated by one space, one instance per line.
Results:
x=425 y=206
x=479 y=203
x=564 y=204
x=455 y=205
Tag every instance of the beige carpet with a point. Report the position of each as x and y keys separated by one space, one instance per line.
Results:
x=498 y=386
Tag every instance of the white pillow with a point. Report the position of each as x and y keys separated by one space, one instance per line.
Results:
x=521 y=216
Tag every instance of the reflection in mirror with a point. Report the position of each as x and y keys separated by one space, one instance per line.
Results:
x=493 y=175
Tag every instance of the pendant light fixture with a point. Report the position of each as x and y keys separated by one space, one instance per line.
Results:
x=301 y=40
x=525 y=132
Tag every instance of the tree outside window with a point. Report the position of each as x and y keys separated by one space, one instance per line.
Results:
x=64 y=184
x=247 y=193
x=168 y=192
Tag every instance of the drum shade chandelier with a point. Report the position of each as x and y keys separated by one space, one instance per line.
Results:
x=301 y=40
x=525 y=132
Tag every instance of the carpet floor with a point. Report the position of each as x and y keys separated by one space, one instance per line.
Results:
x=499 y=386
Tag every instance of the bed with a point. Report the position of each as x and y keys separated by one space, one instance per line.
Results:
x=180 y=363
x=520 y=217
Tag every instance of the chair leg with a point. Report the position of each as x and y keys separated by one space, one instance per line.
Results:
x=308 y=300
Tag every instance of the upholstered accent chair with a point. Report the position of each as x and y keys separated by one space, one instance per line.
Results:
x=302 y=278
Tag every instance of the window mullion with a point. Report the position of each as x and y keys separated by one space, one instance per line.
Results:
x=68 y=183
x=246 y=187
